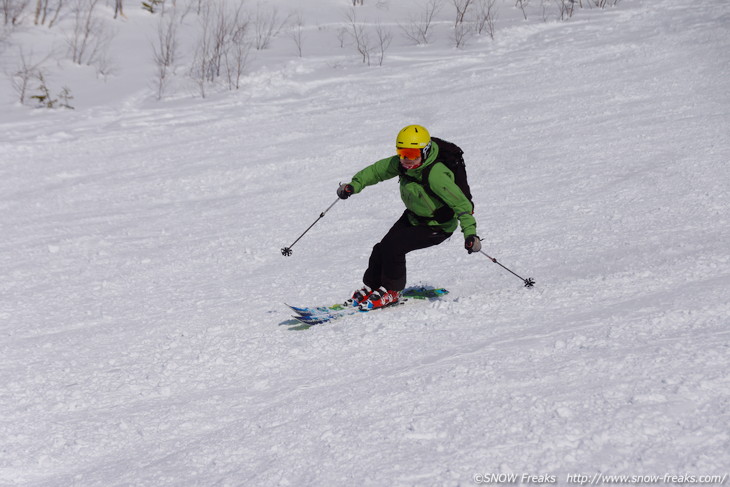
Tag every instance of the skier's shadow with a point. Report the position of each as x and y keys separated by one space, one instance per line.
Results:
x=295 y=325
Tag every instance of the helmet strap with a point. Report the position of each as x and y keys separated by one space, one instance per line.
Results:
x=425 y=151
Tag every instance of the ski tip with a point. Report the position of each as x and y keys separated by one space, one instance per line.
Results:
x=300 y=310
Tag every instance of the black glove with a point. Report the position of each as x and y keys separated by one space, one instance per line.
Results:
x=345 y=191
x=472 y=244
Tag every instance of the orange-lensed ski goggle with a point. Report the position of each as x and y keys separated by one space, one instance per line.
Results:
x=408 y=153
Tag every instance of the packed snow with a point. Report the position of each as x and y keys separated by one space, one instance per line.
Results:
x=144 y=338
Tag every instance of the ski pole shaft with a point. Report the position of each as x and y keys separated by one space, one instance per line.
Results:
x=287 y=251
x=529 y=282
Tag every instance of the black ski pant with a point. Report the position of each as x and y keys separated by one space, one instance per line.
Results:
x=387 y=266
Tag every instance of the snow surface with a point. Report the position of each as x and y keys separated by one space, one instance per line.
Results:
x=143 y=337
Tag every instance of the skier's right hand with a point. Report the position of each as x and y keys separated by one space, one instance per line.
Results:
x=345 y=191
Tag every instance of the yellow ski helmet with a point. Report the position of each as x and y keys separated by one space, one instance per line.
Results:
x=412 y=137
x=413 y=142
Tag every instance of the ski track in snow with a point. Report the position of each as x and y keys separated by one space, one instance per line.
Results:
x=143 y=339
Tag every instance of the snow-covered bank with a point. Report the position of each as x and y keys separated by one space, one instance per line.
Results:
x=142 y=336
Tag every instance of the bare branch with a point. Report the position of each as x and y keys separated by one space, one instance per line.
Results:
x=522 y=4
x=27 y=70
x=486 y=17
x=385 y=37
x=296 y=34
x=418 y=29
x=165 y=50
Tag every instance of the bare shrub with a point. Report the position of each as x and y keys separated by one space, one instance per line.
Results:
x=237 y=53
x=90 y=38
x=5 y=32
x=522 y=5
x=461 y=34
x=12 y=10
x=164 y=51
x=46 y=10
x=200 y=70
x=418 y=29
x=65 y=97
x=296 y=34
x=267 y=25
x=362 y=34
x=342 y=36
x=43 y=98
x=27 y=70
x=359 y=35
x=462 y=6
x=384 y=38
x=545 y=5
x=222 y=48
x=118 y=9
x=462 y=30
x=565 y=8
x=486 y=16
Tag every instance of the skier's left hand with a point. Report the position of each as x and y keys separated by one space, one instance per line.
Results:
x=473 y=244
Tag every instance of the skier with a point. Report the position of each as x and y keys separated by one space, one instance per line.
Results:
x=429 y=219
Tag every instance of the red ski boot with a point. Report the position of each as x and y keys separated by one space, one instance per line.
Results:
x=360 y=296
x=380 y=298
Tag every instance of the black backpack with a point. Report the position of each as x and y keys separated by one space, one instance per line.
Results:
x=451 y=156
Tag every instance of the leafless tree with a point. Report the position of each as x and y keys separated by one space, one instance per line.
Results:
x=545 y=4
x=461 y=8
x=165 y=51
x=267 y=25
x=27 y=70
x=342 y=36
x=65 y=97
x=462 y=30
x=486 y=17
x=90 y=38
x=359 y=35
x=12 y=10
x=565 y=8
x=200 y=68
x=418 y=29
x=44 y=8
x=223 y=47
x=4 y=35
x=461 y=34
x=357 y=2
x=522 y=5
x=118 y=9
x=296 y=34
x=220 y=36
x=44 y=99
x=237 y=52
x=385 y=37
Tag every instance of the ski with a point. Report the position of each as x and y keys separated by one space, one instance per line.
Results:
x=322 y=314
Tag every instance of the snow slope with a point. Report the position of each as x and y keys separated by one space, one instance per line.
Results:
x=143 y=339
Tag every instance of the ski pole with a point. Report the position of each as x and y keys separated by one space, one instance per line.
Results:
x=287 y=251
x=529 y=282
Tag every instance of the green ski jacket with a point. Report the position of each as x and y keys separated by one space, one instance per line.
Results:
x=416 y=198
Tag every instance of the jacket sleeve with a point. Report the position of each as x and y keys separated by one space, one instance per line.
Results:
x=441 y=180
x=379 y=171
